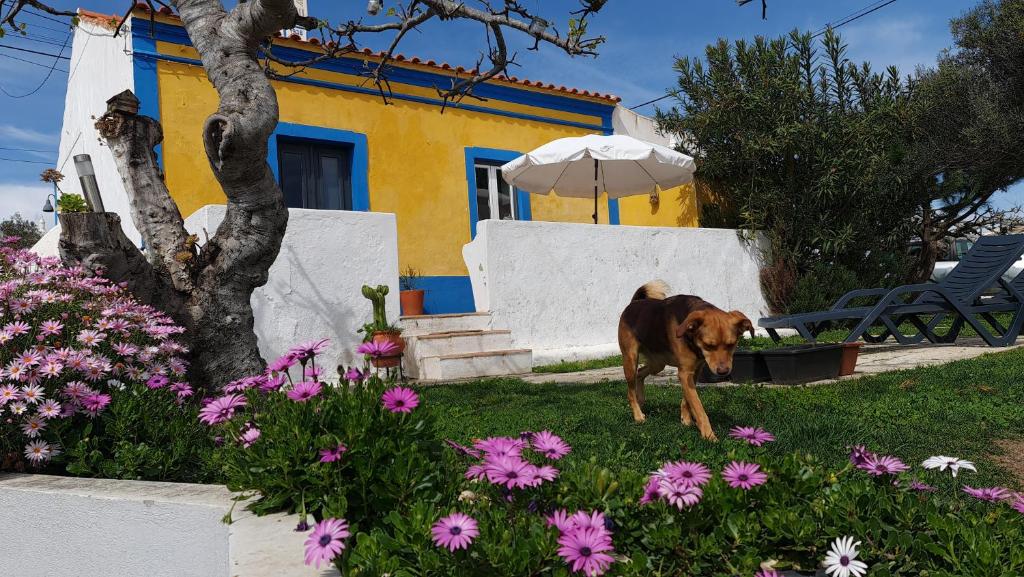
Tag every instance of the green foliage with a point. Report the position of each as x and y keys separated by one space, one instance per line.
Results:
x=802 y=147
x=409 y=280
x=144 y=434
x=71 y=203
x=392 y=459
x=25 y=229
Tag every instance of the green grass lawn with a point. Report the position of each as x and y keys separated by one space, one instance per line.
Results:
x=957 y=409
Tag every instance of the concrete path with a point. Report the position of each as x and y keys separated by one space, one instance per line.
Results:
x=872 y=359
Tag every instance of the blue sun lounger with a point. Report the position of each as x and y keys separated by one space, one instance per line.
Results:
x=960 y=295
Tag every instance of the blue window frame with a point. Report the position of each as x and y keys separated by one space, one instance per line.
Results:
x=491 y=198
x=288 y=136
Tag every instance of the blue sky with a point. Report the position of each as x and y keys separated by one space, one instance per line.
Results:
x=635 y=63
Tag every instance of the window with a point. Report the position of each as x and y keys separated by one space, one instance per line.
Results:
x=494 y=196
x=315 y=174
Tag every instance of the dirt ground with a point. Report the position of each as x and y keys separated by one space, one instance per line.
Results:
x=1011 y=458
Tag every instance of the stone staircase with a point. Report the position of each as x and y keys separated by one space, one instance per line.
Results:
x=460 y=346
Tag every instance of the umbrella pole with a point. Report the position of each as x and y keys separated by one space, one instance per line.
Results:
x=595 y=191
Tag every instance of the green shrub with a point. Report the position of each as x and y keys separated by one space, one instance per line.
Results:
x=71 y=203
x=820 y=287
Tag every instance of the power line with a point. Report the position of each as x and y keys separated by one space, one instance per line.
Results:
x=857 y=17
x=31 y=12
x=57 y=56
x=854 y=13
x=26 y=161
x=658 y=99
x=27 y=149
x=33 y=62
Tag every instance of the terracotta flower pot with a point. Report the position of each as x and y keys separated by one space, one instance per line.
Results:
x=848 y=363
x=412 y=302
x=396 y=358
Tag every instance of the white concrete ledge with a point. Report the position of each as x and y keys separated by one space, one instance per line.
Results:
x=107 y=528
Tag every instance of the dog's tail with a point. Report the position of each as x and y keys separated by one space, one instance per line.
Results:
x=656 y=289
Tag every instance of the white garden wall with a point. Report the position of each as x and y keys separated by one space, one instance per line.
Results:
x=561 y=287
x=100 y=67
x=315 y=286
x=57 y=526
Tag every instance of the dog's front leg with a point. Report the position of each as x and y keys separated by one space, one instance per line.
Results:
x=692 y=402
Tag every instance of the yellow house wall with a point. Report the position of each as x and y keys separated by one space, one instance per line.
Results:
x=417 y=164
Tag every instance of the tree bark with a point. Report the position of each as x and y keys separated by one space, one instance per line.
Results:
x=929 y=254
x=209 y=289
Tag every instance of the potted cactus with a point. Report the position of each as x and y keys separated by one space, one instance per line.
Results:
x=380 y=330
x=411 y=296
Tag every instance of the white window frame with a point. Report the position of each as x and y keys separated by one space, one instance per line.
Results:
x=492 y=192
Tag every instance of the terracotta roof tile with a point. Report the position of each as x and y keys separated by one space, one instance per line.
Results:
x=315 y=42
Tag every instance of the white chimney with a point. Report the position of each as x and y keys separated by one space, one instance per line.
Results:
x=303 y=10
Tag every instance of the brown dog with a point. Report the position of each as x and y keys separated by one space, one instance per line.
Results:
x=682 y=331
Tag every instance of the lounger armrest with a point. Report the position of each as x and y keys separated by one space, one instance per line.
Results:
x=926 y=287
x=846 y=298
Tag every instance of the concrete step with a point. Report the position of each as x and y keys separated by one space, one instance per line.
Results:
x=473 y=365
x=456 y=342
x=414 y=326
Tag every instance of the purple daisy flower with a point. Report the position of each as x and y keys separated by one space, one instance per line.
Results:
x=463 y=450
x=550 y=445
x=221 y=410
x=157 y=382
x=988 y=493
x=377 y=350
x=326 y=542
x=355 y=375
x=332 y=455
x=512 y=472
x=744 y=476
x=500 y=446
x=859 y=454
x=309 y=349
x=686 y=473
x=249 y=436
x=585 y=550
x=754 y=436
x=883 y=465
x=304 y=391
x=283 y=363
x=400 y=400
x=1018 y=502
x=651 y=493
x=680 y=495
x=916 y=485
x=767 y=573
x=455 y=531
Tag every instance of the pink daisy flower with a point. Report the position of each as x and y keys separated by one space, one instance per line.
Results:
x=221 y=410
x=17 y=328
x=90 y=338
x=9 y=393
x=463 y=450
x=309 y=349
x=273 y=382
x=51 y=369
x=455 y=531
x=304 y=391
x=651 y=492
x=916 y=485
x=32 y=394
x=283 y=363
x=51 y=328
x=157 y=382
x=49 y=409
x=679 y=495
x=1018 y=502
x=249 y=436
x=883 y=465
x=550 y=445
x=332 y=455
x=33 y=426
x=686 y=473
x=327 y=541
x=755 y=436
x=38 y=451
x=560 y=520
x=377 y=350
x=546 y=473
x=476 y=473
x=95 y=403
x=859 y=455
x=30 y=358
x=355 y=375
x=744 y=476
x=585 y=550
x=512 y=472
x=497 y=447
x=767 y=573
x=584 y=520
x=988 y=493
x=400 y=400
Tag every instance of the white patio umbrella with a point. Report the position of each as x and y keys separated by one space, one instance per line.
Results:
x=583 y=166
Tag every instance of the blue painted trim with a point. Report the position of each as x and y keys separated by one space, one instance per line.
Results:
x=360 y=155
x=147 y=88
x=446 y=294
x=613 y=211
x=358 y=67
x=420 y=99
x=492 y=155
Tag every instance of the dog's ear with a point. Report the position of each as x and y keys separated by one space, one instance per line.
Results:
x=690 y=324
x=742 y=323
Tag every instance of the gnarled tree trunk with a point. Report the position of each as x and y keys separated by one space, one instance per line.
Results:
x=207 y=290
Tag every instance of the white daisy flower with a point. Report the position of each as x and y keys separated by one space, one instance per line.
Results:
x=941 y=463
x=842 y=561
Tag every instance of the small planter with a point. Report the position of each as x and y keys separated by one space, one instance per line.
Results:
x=412 y=302
x=747 y=367
x=395 y=359
x=803 y=363
x=849 y=362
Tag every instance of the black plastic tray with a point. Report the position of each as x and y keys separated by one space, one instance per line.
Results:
x=803 y=363
x=747 y=367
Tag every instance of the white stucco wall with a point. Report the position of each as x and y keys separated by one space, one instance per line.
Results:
x=100 y=67
x=315 y=285
x=561 y=287
x=107 y=528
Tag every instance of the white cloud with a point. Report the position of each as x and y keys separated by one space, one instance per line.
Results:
x=26 y=198
x=904 y=42
x=21 y=135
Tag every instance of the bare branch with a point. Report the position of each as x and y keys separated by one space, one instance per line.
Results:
x=18 y=5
